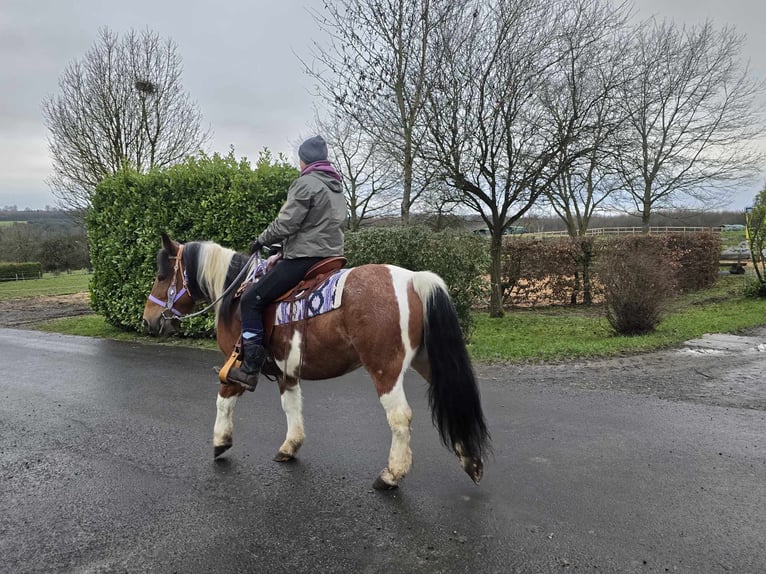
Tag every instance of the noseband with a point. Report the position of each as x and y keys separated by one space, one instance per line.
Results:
x=173 y=297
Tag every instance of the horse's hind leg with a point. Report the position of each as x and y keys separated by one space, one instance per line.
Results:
x=399 y=417
x=292 y=405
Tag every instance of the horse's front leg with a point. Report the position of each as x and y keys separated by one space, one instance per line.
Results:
x=224 y=418
x=292 y=405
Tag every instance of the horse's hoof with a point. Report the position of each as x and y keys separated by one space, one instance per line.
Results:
x=283 y=457
x=219 y=450
x=381 y=484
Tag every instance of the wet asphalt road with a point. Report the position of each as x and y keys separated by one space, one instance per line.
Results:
x=106 y=466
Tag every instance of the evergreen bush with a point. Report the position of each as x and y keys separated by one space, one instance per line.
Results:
x=216 y=198
x=460 y=259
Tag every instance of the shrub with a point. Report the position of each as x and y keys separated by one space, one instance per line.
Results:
x=460 y=259
x=208 y=198
x=64 y=252
x=636 y=287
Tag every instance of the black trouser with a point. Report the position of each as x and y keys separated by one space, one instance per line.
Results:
x=283 y=276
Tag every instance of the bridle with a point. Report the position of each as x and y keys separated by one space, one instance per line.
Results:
x=174 y=296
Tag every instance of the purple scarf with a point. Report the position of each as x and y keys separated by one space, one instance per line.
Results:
x=324 y=166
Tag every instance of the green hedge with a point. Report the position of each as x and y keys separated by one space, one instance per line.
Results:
x=15 y=271
x=460 y=259
x=214 y=198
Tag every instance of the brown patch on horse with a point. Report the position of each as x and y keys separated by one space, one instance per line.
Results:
x=360 y=332
x=227 y=391
x=370 y=306
x=320 y=333
x=228 y=332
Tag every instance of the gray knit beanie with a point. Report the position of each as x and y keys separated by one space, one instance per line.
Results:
x=313 y=149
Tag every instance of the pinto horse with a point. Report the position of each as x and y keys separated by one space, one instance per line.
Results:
x=390 y=319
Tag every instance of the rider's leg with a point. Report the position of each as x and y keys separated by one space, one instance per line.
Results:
x=282 y=277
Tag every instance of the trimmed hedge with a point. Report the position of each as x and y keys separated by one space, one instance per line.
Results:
x=460 y=259
x=213 y=198
x=16 y=271
x=546 y=271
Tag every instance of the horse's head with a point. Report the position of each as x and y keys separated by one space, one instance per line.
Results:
x=170 y=297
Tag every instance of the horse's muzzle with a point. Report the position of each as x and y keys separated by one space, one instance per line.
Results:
x=161 y=326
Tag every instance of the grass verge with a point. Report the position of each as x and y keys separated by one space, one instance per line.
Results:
x=96 y=326
x=546 y=334
x=570 y=333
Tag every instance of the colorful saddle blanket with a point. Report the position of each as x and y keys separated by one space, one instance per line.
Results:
x=323 y=298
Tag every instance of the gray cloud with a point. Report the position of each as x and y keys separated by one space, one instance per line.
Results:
x=240 y=66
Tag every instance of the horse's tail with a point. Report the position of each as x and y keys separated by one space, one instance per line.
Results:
x=453 y=393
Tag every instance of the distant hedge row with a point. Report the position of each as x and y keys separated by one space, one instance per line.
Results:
x=16 y=271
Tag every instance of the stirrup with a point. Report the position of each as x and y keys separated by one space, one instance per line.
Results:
x=233 y=360
x=223 y=375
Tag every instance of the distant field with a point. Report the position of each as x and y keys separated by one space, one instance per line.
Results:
x=9 y=223
x=63 y=284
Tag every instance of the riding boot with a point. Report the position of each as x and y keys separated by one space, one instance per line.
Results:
x=253 y=357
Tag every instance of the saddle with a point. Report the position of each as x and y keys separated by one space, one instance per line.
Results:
x=313 y=278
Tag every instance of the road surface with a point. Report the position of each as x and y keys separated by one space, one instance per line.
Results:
x=106 y=466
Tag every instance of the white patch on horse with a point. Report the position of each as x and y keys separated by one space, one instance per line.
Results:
x=292 y=363
x=398 y=411
x=292 y=405
x=224 y=421
x=399 y=415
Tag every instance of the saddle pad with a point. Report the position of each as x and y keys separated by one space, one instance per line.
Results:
x=326 y=297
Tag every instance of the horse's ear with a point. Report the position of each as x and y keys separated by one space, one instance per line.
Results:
x=170 y=246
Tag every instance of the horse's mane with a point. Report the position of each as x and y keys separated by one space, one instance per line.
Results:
x=211 y=268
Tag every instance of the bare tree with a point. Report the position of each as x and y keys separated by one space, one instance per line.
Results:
x=374 y=69
x=369 y=182
x=583 y=88
x=122 y=105
x=692 y=112
x=584 y=85
x=490 y=129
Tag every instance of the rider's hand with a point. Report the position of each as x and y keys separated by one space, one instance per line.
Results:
x=255 y=246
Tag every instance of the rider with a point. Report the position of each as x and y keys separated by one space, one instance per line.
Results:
x=310 y=228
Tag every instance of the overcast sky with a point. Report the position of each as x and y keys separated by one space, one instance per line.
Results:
x=240 y=62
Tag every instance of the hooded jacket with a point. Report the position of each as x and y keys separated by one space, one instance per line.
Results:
x=310 y=223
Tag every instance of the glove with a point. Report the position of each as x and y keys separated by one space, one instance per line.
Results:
x=274 y=249
x=255 y=246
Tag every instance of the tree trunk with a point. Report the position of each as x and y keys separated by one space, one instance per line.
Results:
x=645 y=214
x=587 y=260
x=495 y=277
x=407 y=193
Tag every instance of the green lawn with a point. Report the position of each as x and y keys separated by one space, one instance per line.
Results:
x=49 y=284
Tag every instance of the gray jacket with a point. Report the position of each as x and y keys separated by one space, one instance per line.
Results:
x=310 y=223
